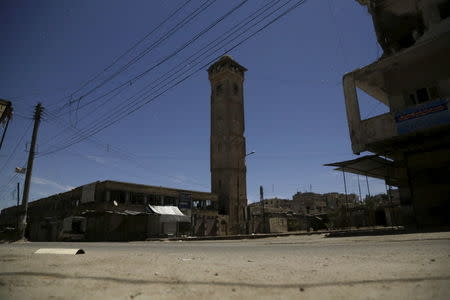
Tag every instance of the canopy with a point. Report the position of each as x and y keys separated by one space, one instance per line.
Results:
x=169 y=213
x=370 y=165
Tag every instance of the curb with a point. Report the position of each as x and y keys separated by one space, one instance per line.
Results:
x=328 y=233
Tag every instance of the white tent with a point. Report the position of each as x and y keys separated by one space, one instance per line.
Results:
x=169 y=213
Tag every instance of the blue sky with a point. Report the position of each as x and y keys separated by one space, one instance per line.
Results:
x=294 y=105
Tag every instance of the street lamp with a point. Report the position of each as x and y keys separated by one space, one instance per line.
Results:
x=238 y=225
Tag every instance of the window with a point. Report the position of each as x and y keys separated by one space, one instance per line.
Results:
x=170 y=201
x=153 y=199
x=422 y=95
x=235 y=89
x=137 y=198
x=118 y=196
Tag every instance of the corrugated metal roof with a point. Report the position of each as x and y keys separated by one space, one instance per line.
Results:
x=370 y=165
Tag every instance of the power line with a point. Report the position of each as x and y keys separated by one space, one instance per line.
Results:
x=128 y=156
x=5 y=188
x=131 y=110
x=184 y=64
x=125 y=53
x=172 y=14
x=8 y=160
x=173 y=54
x=198 y=35
x=154 y=45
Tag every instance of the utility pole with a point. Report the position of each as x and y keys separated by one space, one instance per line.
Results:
x=17 y=207
x=261 y=199
x=346 y=199
x=26 y=188
x=359 y=188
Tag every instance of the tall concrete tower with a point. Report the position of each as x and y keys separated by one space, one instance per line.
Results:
x=228 y=171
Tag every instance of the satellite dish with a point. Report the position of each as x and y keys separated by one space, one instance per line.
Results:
x=115 y=203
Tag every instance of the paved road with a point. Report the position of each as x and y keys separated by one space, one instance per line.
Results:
x=407 y=266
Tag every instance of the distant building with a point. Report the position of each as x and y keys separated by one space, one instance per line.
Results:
x=272 y=205
x=304 y=211
x=411 y=141
x=119 y=211
x=305 y=203
x=228 y=171
x=269 y=215
x=313 y=203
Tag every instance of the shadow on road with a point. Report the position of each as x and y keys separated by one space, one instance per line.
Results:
x=219 y=283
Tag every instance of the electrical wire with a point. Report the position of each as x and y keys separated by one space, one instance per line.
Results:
x=185 y=63
x=178 y=82
x=6 y=188
x=172 y=14
x=217 y=21
x=13 y=152
x=206 y=4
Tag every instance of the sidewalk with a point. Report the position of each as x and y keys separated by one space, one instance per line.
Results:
x=329 y=233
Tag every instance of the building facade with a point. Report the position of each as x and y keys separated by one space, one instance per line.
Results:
x=228 y=171
x=314 y=203
x=120 y=211
x=412 y=80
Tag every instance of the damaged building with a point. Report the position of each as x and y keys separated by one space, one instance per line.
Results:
x=411 y=141
x=119 y=211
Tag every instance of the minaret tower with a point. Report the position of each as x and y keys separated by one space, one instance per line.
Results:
x=228 y=171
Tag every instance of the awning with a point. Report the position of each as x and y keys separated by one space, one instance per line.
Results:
x=169 y=213
x=370 y=165
x=117 y=212
x=5 y=110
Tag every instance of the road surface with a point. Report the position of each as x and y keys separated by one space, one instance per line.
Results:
x=405 y=266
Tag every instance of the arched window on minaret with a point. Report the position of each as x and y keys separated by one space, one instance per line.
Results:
x=235 y=89
x=219 y=89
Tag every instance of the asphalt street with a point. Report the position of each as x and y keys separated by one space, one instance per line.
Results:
x=404 y=266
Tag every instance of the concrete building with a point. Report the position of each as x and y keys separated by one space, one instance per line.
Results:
x=119 y=211
x=313 y=203
x=305 y=211
x=412 y=80
x=228 y=171
x=284 y=205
